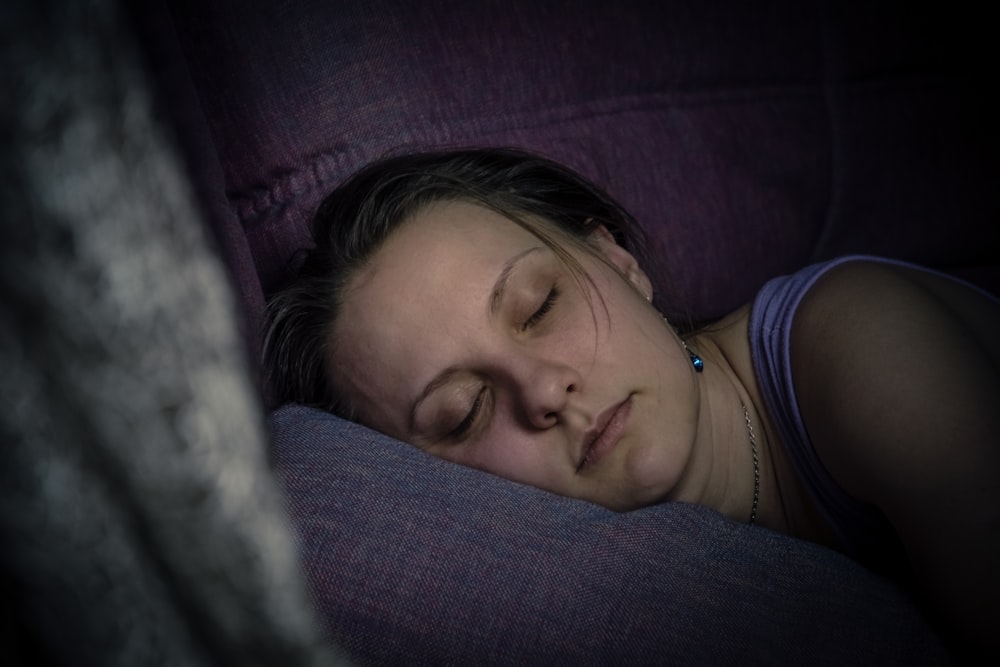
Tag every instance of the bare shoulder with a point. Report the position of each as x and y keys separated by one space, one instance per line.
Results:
x=898 y=377
x=886 y=359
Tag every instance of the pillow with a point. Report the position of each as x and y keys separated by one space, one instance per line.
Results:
x=414 y=560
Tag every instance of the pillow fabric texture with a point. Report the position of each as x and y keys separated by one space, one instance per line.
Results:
x=419 y=561
x=748 y=141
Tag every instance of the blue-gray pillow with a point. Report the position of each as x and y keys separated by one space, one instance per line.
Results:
x=414 y=560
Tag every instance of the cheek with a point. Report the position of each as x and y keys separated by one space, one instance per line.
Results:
x=501 y=452
x=652 y=472
x=514 y=455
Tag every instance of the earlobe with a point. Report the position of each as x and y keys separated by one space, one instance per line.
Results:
x=623 y=260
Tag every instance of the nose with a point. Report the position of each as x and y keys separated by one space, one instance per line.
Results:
x=545 y=387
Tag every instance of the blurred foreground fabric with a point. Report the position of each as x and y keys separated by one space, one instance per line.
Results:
x=139 y=522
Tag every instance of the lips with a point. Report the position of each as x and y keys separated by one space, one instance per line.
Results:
x=604 y=436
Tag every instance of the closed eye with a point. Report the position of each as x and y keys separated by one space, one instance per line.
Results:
x=462 y=430
x=543 y=309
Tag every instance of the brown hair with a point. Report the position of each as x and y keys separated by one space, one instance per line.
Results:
x=354 y=220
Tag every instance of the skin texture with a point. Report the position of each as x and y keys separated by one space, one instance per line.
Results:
x=897 y=374
x=902 y=399
x=542 y=375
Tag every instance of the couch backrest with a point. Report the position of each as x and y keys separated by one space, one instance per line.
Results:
x=747 y=142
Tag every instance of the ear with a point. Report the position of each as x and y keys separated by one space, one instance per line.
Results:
x=623 y=260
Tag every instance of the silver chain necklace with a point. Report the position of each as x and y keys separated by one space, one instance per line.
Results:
x=756 y=464
x=699 y=366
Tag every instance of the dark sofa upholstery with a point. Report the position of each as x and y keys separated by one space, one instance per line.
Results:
x=748 y=139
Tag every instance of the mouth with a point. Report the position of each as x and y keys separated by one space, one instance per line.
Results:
x=604 y=436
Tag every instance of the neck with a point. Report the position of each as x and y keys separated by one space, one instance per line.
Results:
x=722 y=472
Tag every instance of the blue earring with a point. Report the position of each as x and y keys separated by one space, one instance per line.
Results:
x=696 y=361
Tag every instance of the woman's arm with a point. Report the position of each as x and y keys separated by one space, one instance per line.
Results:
x=898 y=378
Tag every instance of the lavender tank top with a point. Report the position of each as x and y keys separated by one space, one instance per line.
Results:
x=862 y=530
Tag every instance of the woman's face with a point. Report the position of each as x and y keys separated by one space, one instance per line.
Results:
x=466 y=336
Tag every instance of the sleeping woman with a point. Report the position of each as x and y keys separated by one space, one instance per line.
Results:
x=491 y=308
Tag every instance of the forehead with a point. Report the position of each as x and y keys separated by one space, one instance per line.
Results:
x=414 y=307
x=445 y=246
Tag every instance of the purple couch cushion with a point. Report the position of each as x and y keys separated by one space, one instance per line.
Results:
x=418 y=561
x=724 y=159
x=748 y=143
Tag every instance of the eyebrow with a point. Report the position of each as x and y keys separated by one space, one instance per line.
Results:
x=496 y=300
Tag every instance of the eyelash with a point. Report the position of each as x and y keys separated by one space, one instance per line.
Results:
x=465 y=426
x=542 y=311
